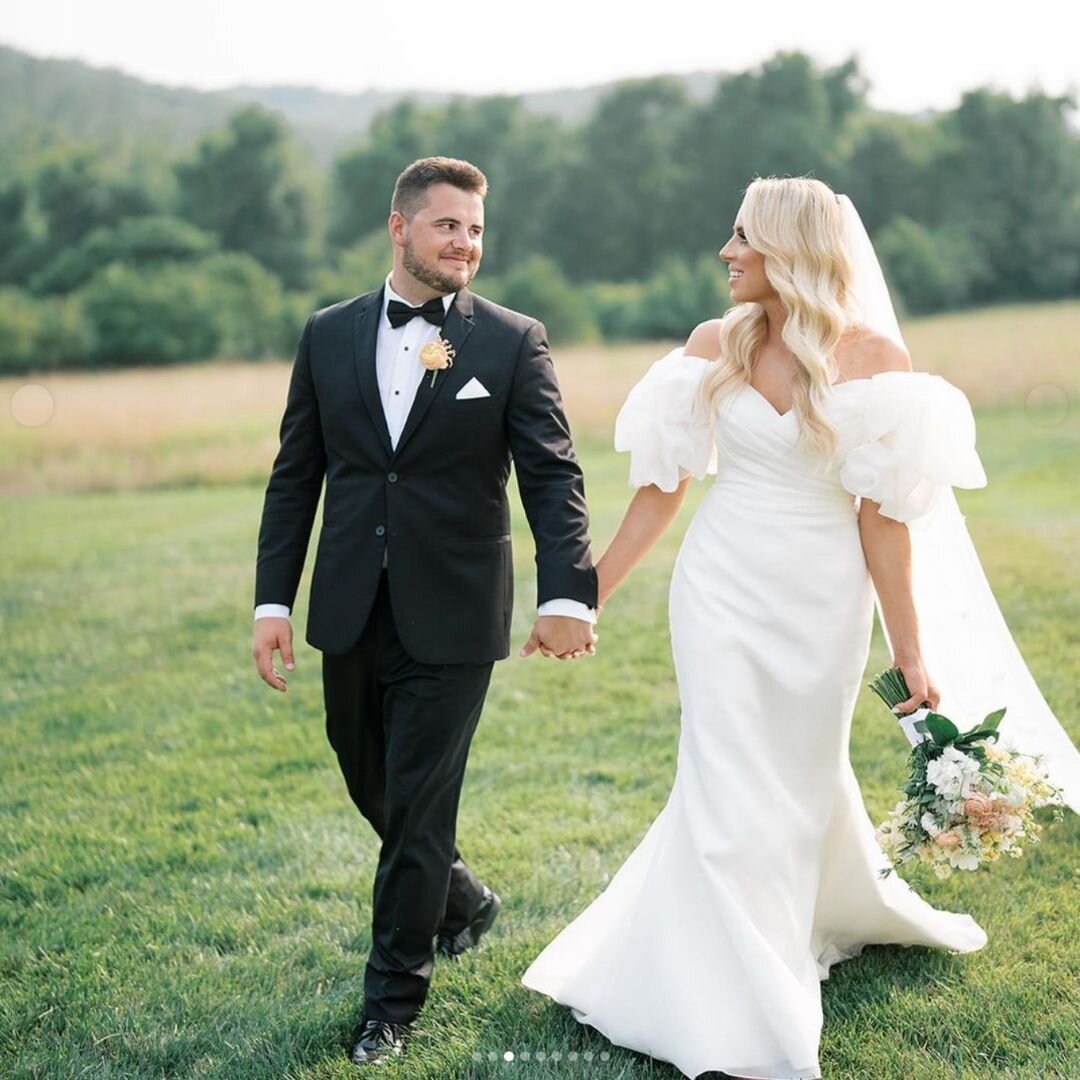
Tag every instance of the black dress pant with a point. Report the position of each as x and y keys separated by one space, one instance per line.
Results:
x=401 y=730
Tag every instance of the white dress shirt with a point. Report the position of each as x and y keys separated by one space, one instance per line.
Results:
x=399 y=371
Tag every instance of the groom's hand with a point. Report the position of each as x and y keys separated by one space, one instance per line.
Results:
x=272 y=633
x=561 y=636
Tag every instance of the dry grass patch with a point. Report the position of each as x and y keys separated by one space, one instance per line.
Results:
x=217 y=423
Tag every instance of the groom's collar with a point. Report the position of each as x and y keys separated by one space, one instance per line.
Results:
x=463 y=303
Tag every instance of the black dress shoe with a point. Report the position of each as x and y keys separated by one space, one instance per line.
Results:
x=451 y=945
x=379 y=1039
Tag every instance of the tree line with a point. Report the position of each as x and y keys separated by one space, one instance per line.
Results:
x=605 y=229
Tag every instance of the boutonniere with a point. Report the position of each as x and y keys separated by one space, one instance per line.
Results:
x=437 y=355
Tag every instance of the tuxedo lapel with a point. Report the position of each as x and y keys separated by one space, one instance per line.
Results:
x=456 y=330
x=365 y=339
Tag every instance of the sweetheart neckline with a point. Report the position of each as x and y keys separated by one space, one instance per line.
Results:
x=843 y=382
x=772 y=408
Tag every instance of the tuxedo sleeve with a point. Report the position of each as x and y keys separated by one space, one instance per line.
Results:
x=549 y=477
x=292 y=494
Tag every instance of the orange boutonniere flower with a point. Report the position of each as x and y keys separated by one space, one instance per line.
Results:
x=437 y=355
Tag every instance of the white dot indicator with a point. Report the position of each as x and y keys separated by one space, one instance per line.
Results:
x=32 y=405
x=1047 y=405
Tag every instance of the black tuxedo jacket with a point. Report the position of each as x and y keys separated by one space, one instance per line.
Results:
x=437 y=505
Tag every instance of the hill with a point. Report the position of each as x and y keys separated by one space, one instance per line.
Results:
x=49 y=101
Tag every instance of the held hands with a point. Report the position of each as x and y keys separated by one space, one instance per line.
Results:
x=561 y=636
x=272 y=633
x=923 y=691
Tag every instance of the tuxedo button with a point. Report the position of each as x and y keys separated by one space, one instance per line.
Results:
x=380 y=530
x=392 y=477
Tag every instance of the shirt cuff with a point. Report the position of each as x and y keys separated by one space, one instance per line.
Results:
x=574 y=608
x=277 y=611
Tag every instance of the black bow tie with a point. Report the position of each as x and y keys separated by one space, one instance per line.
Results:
x=399 y=314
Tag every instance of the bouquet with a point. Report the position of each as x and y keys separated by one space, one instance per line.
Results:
x=967 y=801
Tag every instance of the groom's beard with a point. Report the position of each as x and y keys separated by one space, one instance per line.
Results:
x=432 y=276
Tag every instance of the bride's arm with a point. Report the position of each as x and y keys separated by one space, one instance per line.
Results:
x=651 y=510
x=648 y=515
x=887 y=546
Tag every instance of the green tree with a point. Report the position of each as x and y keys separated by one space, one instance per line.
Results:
x=615 y=306
x=845 y=90
x=931 y=269
x=243 y=185
x=165 y=315
x=359 y=269
x=679 y=296
x=619 y=193
x=77 y=192
x=1008 y=176
x=537 y=287
x=21 y=232
x=141 y=241
x=40 y=335
x=57 y=199
x=785 y=118
x=20 y=325
x=887 y=168
x=363 y=178
x=249 y=305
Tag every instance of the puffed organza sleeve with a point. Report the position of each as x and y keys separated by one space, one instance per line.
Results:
x=664 y=424
x=916 y=438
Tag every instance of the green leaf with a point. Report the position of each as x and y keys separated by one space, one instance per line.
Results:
x=974 y=735
x=994 y=718
x=942 y=730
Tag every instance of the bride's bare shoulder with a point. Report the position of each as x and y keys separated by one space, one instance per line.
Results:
x=705 y=340
x=863 y=353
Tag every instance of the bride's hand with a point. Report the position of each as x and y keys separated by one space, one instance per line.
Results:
x=923 y=690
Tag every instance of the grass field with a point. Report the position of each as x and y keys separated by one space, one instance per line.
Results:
x=184 y=885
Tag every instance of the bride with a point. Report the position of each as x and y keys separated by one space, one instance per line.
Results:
x=834 y=466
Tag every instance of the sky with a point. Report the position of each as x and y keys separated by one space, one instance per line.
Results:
x=922 y=56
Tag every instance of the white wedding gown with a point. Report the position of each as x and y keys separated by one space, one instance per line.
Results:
x=707 y=948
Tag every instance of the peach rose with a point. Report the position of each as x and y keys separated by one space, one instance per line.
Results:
x=947 y=839
x=978 y=806
x=437 y=356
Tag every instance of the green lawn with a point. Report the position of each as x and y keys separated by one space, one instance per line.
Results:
x=184 y=884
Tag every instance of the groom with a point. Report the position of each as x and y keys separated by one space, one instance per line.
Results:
x=412 y=401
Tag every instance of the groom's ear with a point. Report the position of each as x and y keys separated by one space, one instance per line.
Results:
x=397 y=225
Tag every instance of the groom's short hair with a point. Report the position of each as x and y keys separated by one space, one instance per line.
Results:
x=411 y=187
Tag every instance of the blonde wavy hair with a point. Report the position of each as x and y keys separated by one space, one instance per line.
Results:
x=798 y=225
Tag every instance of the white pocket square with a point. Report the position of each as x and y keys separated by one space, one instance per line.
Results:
x=474 y=388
